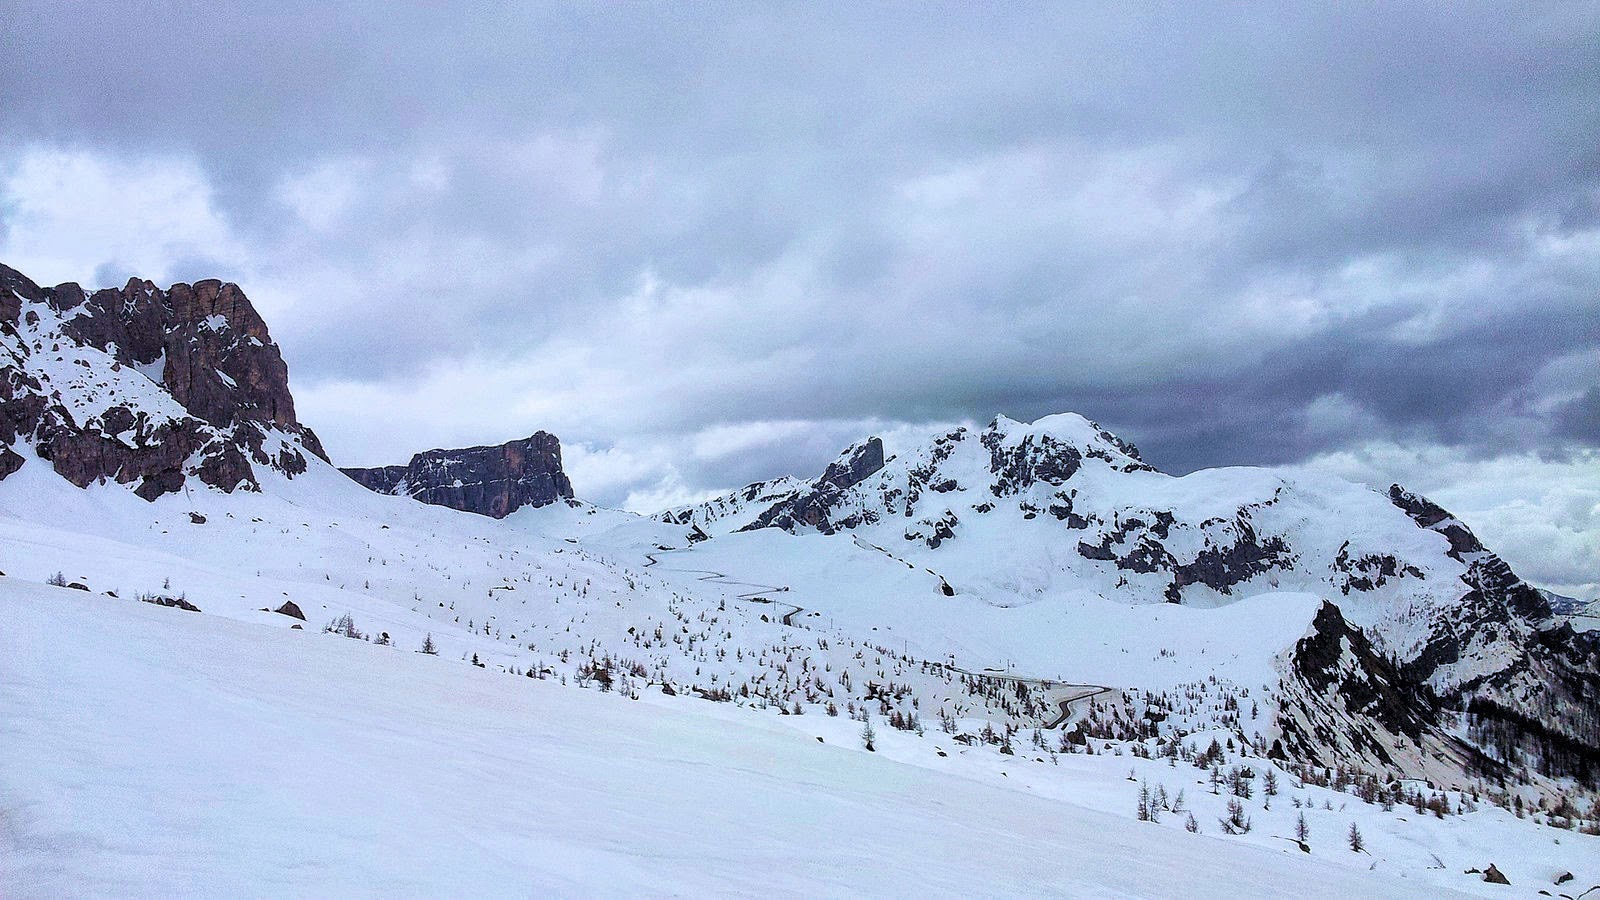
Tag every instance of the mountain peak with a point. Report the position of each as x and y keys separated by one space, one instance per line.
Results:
x=1067 y=428
x=145 y=386
x=855 y=464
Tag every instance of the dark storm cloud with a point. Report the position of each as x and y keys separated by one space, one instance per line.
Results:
x=1241 y=238
x=1580 y=419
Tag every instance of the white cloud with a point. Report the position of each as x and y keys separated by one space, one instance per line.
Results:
x=689 y=324
x=71 y=213
x=1336 y=415
x=720 y=441
x=565 y=164
x=322 y=196
x=630 y=472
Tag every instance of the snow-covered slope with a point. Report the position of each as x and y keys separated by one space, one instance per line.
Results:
x=303 y=764
x=990 y=599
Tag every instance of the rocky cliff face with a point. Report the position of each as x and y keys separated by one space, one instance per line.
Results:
x=489 y=481
x=814 y=506
x=790 y=503
x=1342 y=703
x=144 y=387
x=1534 y=704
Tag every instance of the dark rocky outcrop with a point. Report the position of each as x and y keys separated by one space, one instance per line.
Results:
x=382 y=479
x=1344 y=703
x=1046 y=459
x=934 y=532
x=1220 y=566
x=171 y=602
x=291 y=609
x=1369 y=571
x=1336 y=659
x=857 y=464
x=813 y=505
x=489 y=481
x=1233 y=553
x=204 y=345
x=1034 y=460
x=1432 y=516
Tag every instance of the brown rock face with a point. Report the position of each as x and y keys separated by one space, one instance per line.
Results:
x=205 y=343
x=10 y=461
x=219 y=360
x=221 y=363
x=490 y=481
x=14 y=289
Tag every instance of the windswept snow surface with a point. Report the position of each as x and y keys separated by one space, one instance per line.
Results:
x=154 y=752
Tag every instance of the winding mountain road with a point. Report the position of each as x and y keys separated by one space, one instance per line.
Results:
x=1065 y=704
x=756 y=596
x=1080 y=692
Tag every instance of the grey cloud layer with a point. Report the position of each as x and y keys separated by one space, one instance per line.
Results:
x=1247 y=238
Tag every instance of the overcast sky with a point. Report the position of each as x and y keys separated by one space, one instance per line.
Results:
x=706 y=244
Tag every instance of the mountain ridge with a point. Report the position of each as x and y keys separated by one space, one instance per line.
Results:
x=1406 y=572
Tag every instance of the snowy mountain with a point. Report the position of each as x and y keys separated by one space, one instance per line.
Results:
x=1019 y=514
x=1560 y=604
x=1581 y=613
x=1021 y=615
